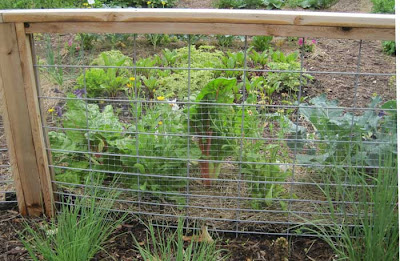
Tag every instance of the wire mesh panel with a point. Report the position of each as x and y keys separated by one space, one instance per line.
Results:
x=244 y=134
x=7 y=191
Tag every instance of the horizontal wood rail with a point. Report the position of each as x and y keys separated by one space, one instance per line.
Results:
x=206 y=21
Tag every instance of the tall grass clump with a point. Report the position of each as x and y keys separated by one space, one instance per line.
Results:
x=78 y=232
x=375 y=234
x=163 y=244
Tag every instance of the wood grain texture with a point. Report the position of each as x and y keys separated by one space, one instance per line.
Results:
x=35 y=118
x=213 y=28
x=17 y=125
x=269 y=17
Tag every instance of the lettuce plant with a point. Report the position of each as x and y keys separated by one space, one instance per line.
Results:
x=164 y=153
x=109 y=81
x=104 y=127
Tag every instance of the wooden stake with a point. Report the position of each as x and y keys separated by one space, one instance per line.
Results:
x=22 y=123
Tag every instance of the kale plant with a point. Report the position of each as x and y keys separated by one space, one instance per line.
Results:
x=344 y=137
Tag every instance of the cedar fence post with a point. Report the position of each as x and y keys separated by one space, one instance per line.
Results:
x=22 y=123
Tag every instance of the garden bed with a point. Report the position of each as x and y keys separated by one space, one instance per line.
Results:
x=270 y=163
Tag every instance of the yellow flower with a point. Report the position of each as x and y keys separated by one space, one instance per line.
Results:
x=85 y=4
x=89 y=7
x=129 y=85
x=160 y=98
x=163 y=3
x=148 y=2
x=51 y=110
x=374 y=94
x=281 y=111
x=160 y=123
x=132 y=79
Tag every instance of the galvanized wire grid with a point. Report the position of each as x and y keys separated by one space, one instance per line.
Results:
x=7 y=190
x=161 y=167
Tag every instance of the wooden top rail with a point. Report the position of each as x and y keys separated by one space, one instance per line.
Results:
x=205 y=21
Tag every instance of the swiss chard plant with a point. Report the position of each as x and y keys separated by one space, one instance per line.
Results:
x=261 y=43
x=285 y=81
x=208 y=119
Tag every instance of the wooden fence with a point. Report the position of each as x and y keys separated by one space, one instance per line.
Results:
x=18 y=87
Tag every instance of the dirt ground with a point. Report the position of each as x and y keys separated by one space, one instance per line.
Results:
x=329 y=55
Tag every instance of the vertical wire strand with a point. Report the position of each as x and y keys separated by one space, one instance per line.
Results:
x=88 y=126
x=241 y=134
x=351 y=141
x=356 y=84
x=188 y=138
x=139 y=194
x=299 y=95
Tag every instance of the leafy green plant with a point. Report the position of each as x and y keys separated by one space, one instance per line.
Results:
x=261 y=43
x=92 y=81
x=225 y=4
x=232 y=61
x=169 y=57
x=383 y=6
x=274 y=4
x=147 y=62
x=344 y=136
x=78 y=117
x=212 y=120
x=109 y=81
x=39 y=4
x=376 y=234
x=176 y=84
x=389 y=47
x=225 y=40
x=163 y=153
x=288 y=81
x=117 y=40
x=312 y=4
x=87 y=41
x=157 y=39
x=79 y=232
x=106 y=137
x=250 y=4
x=162 y=244
x=264 y=172
x=138 y=3
x=151 y=84
x=259 y=60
